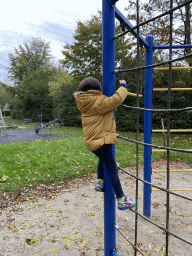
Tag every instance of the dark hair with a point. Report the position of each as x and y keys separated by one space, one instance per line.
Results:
x=90 y=83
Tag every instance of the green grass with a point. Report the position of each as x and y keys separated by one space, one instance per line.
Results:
x=33 y=163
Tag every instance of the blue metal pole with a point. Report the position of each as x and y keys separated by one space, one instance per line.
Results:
x=108 y=32
x=148 y=93
x=173 y=46
x=122 y=19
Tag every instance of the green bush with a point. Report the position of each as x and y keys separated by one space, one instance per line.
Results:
x=6 y=112
x=62 y=88
x=179 y=100
x=66 y=107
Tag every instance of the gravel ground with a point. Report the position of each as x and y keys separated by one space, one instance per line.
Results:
x=66 y=218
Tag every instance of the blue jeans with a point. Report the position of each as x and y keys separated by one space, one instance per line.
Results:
x=106 y=155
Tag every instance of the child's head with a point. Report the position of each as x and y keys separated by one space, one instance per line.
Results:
x=90 y=83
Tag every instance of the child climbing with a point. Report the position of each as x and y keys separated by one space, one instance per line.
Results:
x=99 y=130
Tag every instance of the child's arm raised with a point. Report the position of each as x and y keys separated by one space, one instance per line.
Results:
x=105 y=104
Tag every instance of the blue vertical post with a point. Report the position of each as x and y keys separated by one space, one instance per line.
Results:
x=108 y=32
x=148 y=93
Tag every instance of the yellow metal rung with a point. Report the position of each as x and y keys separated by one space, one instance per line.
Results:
x=134 y=94
x=174 y=68
x=173 y=130
x=172 y=89
x=182 y=170
x=164 y=150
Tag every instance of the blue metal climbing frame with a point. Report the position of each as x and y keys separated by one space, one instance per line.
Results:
x=109 y=13
x=108 y=31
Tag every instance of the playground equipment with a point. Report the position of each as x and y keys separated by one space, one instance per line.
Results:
x=173 y=68
x=172 y=130
x=134 y=94
x=172 y=89
x=2 y=121
x=182 y=170
x=109 y=13
x=5 y=127
x=48 y=125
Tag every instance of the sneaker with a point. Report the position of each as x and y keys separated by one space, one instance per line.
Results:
x=99 y=186
x=126 y=204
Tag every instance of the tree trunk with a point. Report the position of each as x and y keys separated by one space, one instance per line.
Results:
x=187 y=31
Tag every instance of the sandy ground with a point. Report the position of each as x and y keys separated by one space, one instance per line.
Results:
x=67 y=218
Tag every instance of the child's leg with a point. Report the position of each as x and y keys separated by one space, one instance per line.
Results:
x=100 y=174
x=106 y=154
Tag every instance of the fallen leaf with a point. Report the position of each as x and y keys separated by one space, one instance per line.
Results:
x=98 y=233
x=32 y=241
x=185 y=224
x=179 y=213
x=4 y=178
x=157 y=249
x=123 y=229
x=91 y=214
x=156 y=205
x=80 y=240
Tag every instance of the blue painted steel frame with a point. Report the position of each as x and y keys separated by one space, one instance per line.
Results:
x=109 y=12
x=108 y=31
x=123 y=20
x=173 y=46
x=148 y=95
x=148 y=98
x=112 y=2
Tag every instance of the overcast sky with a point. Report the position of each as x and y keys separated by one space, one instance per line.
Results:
x=52 y=20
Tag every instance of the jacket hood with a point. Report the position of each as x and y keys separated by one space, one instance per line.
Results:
x=85 y=100
x=89 y=91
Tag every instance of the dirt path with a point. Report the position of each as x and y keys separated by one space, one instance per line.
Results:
x=67 y=218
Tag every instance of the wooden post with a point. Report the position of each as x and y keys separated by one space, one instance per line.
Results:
x=162 y=123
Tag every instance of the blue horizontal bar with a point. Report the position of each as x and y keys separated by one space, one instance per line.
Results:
x=173 y=46
x=123 y=20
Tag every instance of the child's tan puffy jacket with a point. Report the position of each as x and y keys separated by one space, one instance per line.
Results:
x=98 y=121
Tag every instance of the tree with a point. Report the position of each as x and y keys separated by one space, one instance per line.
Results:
x=5 y=96
x=83 y=58
x=33 y=95
x=160 y=27
x=62 y=88
x=61 y=79
x=27 y=58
